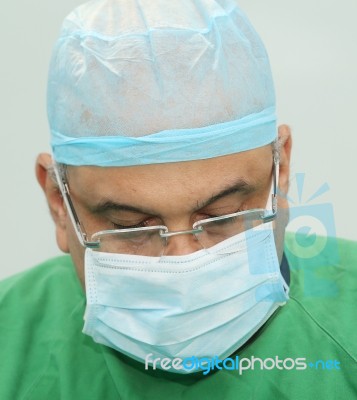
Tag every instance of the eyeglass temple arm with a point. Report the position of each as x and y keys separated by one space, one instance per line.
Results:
x=272 y=216
x=82 y=236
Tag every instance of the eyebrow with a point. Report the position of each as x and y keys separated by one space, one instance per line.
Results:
x=240 y=186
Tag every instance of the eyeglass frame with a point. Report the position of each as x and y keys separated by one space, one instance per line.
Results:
x=82 y=235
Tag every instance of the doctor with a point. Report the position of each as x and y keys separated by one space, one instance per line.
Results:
x=167 y=188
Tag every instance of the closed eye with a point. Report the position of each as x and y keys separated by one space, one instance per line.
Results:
x=151 y=221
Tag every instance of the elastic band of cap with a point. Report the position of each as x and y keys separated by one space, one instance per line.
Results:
x=253 y=131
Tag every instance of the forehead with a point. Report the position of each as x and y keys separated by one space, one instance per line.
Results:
x=172 y=179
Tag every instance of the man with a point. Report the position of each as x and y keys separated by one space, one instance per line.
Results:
x=168 y=189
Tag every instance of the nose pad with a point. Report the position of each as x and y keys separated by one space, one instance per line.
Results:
x=181 y=245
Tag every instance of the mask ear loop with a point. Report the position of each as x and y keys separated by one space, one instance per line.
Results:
x=276 y=183
x=272 y=204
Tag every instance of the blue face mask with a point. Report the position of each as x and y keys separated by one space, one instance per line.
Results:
x=205 y=304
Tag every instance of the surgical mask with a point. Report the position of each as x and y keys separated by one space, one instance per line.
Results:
x=204 y=304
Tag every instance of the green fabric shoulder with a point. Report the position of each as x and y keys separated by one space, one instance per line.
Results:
x=34 y=308
x=324 y=272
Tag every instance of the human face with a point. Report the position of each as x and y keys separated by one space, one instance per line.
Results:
x=175 y=195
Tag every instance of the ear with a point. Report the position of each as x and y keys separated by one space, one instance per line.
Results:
x=285 y=143
x=54 y=199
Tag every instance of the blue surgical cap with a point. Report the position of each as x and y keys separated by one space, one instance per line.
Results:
x=135 y=82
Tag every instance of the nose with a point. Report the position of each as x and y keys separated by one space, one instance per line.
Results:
x=181 y=245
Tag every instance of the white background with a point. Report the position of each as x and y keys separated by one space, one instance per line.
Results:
x=313 y=52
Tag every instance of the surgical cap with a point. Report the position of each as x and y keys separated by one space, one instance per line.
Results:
x=135 y=82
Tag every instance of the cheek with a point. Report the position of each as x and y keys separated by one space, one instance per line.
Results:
x=77 y=252
x=280 y=225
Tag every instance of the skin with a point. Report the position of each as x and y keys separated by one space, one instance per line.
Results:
x=173 y=194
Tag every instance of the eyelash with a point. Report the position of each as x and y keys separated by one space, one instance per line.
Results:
x=139 y=225
x=208 y=216
x=146 y=222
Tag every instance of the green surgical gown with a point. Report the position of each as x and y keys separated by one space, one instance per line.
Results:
x=45 y=356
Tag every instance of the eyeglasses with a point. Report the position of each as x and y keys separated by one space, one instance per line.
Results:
x=152 y=240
